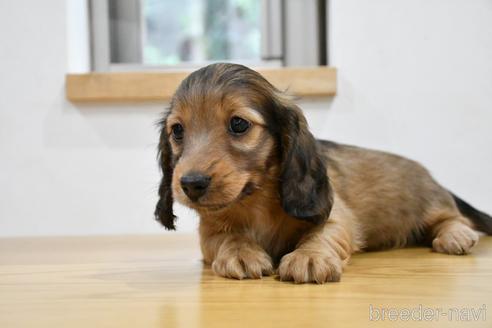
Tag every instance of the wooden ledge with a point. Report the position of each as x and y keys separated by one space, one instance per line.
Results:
x=160 y=86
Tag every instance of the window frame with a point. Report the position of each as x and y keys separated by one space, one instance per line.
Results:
x=295 y=35
x=85 y=83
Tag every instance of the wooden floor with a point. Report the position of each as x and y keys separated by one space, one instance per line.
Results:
x=159 y=281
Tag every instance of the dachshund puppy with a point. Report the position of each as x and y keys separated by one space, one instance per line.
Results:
x=269 y=195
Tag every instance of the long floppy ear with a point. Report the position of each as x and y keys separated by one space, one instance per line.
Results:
x=304 y=185
x=164 y=208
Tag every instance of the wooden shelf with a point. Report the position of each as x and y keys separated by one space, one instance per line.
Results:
x=160 y=86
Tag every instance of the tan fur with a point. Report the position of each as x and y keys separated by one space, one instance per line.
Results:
x=380 y=200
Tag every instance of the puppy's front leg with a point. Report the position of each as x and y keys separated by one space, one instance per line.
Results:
x=235 y=256
x=320 y=255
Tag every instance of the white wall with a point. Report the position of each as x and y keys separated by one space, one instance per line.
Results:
x=415 y=77
x=64 y=168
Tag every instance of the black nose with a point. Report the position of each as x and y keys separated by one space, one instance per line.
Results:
x=195 y=185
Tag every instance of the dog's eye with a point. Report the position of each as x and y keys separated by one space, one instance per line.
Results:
x=238 y=125
x=178 y=131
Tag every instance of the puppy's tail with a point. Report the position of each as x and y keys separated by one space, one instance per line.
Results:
x=482 y=221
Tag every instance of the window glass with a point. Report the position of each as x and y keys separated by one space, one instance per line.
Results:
x=195 y=31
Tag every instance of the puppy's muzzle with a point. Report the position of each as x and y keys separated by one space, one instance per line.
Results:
x=195 y=185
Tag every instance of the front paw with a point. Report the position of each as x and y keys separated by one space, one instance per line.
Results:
x=245 y=261
x=302 y=266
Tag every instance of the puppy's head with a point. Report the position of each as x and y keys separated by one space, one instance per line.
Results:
x=227 y=132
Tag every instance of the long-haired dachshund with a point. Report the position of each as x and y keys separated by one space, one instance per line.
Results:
x=239 y=152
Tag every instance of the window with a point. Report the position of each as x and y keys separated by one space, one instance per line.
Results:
x=170 y=34
x=190 y=31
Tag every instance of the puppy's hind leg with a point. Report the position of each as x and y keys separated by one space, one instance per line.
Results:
x=452 y=233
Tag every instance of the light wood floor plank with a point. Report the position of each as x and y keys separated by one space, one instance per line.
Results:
x=159 y=281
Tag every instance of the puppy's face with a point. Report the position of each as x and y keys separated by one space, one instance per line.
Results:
x=228 y=131
x=221 y=147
